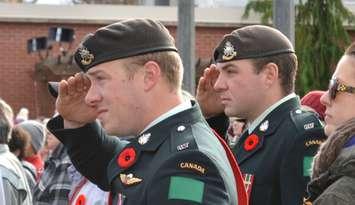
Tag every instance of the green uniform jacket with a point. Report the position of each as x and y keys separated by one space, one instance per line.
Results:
x=275 y=158
x=177 y=161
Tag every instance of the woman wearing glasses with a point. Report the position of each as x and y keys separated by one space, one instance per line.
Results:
x=333 y=176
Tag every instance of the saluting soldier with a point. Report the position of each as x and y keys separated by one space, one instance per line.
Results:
x=132 y=85
x=254 y=76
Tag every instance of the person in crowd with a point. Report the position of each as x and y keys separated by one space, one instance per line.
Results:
x=312 y=101
x=132 y=85
x=22 y=115
x=15 y=189
x=19 y=144
x=85 y=192
x=55 y=184
x=36 y=131
x=49 y=145
x=235 y=129
x=333 y=175
x=254 y=78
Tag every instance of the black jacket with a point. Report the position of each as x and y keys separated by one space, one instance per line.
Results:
x=177 y=161
x=276 y=168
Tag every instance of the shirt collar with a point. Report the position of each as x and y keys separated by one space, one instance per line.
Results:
x=179 y=108
x=261 y=117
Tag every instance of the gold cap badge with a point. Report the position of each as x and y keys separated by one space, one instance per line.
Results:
x=86 y=56
x=228 y=51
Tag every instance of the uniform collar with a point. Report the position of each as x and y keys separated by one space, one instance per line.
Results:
x=261 y=117
x=187 y=116
x=179 y=108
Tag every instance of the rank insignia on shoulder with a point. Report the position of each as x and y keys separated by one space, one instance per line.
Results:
x=129 y=179
x=192 y=166
x=144 y=138
x=308 y=126
x=182 y=146
x=264 y=126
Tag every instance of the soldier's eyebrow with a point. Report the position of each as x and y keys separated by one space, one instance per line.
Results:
x=229 y=65
x=94 y=73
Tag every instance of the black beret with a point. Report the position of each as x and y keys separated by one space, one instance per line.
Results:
x=123 y=39
x=252 y=42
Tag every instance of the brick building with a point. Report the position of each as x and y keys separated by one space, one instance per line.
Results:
x=20 y=22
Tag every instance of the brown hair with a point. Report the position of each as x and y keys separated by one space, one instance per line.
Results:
x=170 y=64
x=287 y=64
x=20 y=139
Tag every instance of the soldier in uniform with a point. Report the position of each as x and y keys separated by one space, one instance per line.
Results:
x=254 y=76
x=132 y=85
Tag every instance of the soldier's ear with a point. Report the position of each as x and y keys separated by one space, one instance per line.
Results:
x=152 y=74
x=270 y=72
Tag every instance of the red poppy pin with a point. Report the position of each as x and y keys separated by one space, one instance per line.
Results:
x=251 y=142
x=81 y=200
x=127 y=157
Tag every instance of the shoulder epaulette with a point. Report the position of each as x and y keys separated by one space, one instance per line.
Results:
x=305 y=120
x=182 y=138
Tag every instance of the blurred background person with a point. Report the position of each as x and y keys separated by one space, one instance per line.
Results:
x=49 y=146
x=54 y=185
x=311 y=101
x=36 y=130
x=15 y=190
x=19 y=144
x=22 y=115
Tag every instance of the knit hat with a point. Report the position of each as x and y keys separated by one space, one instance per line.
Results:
x=312 y=100
x=36 y=131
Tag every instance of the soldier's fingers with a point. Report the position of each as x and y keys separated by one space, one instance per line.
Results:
x=71 y=85
x=213 y=66
x=62 y=89
x=201 y=84
x=79 y=82
x=86 y=81
x=205 y=72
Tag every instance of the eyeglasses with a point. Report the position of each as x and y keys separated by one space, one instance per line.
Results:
x=335 y=86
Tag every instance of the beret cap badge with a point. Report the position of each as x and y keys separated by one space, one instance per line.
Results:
x=228 y=51
x=85 y=55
